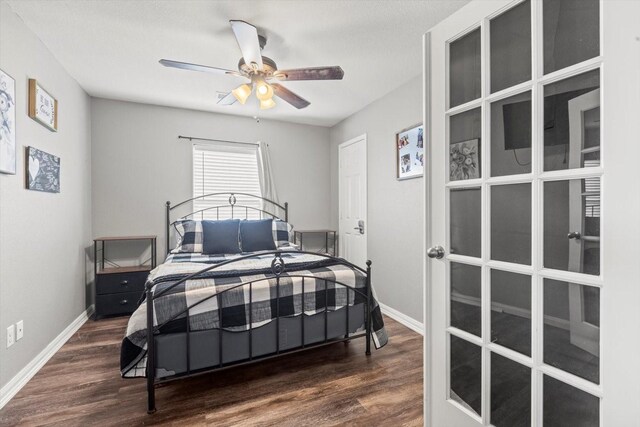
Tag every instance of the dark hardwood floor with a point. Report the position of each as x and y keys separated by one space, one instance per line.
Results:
x=334 y=385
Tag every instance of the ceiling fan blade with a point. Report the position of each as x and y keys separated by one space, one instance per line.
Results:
x=311 y=73
x=285 y=94
x=227 y=99
x=196 y=67
x=247 y=37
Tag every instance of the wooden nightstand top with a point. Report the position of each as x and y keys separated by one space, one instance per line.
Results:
x=130 y=269
x=113 y=238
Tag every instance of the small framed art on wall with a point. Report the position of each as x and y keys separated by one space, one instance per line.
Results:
x=43 y=171
x=7 y=124
x=43 y=107
x=410 y=152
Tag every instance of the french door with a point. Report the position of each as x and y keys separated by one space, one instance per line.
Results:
x=533 y=282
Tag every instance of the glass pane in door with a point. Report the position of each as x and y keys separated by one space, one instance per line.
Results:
x=571 y=32
x=572 y=328
x=466 y=297
x=572 y=122
x=465 y=373
x=465 y=225
x=511 y=310
x=511 y=47
x=464 y=69
x=510 y=393
x=572 y=225
x=511 y=223
x=465 y=131
x=511 y=135
x=564 y=405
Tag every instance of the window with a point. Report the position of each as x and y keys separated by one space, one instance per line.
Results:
x=592 y=192
x=226 y=169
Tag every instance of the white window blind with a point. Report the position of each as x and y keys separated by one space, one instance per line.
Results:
x=592 y=192
x=226 y=169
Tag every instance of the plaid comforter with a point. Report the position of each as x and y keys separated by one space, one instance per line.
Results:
x=211 y=309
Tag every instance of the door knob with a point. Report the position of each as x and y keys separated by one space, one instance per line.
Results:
x=436 y=252
x=574 y=235
x=360 y=227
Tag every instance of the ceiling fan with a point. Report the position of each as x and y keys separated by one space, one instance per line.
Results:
x=261 y=71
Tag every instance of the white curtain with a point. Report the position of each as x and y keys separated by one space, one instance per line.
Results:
x=267 y=183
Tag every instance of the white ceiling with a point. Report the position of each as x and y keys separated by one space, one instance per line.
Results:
x=112 y=48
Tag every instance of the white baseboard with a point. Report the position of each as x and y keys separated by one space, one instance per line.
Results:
x=22 y=378
x=510 y=309
x=405 y=320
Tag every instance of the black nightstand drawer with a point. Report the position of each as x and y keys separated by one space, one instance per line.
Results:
x=123 y=303
x=115 y=283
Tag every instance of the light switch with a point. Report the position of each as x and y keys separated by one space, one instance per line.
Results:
x=19 y=330
x=10 y=336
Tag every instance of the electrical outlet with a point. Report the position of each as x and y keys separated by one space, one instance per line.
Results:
x=10 y=336
x=19 y=330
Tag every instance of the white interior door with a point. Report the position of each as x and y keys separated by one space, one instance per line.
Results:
x=352 y=185
x=584 y=205
x=531 y=324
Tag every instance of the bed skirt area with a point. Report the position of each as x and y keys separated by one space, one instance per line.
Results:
x=205 y=351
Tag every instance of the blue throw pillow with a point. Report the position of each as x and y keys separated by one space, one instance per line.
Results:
x=221 y=237
x=257 y=235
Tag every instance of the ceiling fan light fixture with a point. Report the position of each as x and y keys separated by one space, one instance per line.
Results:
x=267 y=103
x=242 y=93
x=258 y=70
x=264 y=91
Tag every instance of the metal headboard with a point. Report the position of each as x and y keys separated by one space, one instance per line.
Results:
x=233 y=204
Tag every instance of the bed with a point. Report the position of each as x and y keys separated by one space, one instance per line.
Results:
x=203 y=312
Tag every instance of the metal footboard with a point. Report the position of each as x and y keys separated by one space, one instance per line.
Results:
x=278 y=271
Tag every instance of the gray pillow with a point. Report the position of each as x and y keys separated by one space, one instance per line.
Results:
x=221 y=237
x=257 y=235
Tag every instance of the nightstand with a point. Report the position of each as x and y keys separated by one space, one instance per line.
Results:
x=330 y=236
x=118 y=288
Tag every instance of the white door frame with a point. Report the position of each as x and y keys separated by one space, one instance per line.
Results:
x=426 y=316
x=351 y=141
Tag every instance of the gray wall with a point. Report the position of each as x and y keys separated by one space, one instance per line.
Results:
x=395 y=210
x=43 y=237
x=119 y=157
x=139 y=163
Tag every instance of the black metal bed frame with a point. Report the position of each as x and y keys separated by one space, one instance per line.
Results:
x=278 y=270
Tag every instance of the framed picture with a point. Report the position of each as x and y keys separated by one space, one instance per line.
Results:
x=43 y=171
x=464 y=160
x=43 y=107
x=7 y=124
x=410 y=152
